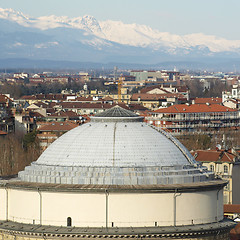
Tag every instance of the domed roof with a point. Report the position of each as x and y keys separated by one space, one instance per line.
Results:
x=116 y=147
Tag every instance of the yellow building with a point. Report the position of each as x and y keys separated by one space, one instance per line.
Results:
x=225 y=164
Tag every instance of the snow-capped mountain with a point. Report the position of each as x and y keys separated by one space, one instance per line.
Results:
x=64 y=36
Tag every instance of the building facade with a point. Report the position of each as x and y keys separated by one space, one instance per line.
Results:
x=194 y=117
x=225 y=164
x=114 y=177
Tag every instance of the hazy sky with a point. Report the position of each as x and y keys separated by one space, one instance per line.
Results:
x=214 y=17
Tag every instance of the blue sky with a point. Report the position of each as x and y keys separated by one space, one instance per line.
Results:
x=214 y=17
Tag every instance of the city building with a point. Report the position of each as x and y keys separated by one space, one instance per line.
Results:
x=194 y=117
x=234 y=94
x=157 y=96
x=154 y=101
x=142 y=75
x=20 y=75
x=45 y=97
x=57 y=79
x=49 y=132
x=225 y=164
x=114 y=177
x=153 y=76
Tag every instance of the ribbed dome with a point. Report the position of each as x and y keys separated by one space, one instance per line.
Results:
x=120 y=150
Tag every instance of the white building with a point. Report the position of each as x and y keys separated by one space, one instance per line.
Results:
x=235 y=94
x=114 y=177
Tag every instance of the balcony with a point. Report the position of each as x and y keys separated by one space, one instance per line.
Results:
x=197 y=118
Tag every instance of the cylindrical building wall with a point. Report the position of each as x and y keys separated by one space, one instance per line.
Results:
x=120 y=209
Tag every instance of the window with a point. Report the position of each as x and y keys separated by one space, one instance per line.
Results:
x=225 y=169
x=227 y=187
x=69 y=222
x=211 y=168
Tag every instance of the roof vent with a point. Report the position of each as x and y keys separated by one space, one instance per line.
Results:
x=207 y=104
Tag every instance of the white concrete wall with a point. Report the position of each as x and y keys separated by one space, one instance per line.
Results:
x=199 y=207
x=124 y=209
x=3 y=204
x=140 y=209
x=85 y=209
x=23 y=206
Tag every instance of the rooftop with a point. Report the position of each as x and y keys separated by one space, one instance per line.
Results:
x=214 y=156
x=117 y=112
x=208 y=100
x=195 y=108
x=58 y=126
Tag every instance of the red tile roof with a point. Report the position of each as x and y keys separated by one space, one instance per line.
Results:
x=41 y=104
x=195 y=108
x=235 y=233
x=4 y=98
x=208 y=100
x=50 y=96
x=182 y=88
x=155 y=97
x=137 y=107
x=231 y=208
x=82 y=105
x=58 y=127
x=107 y=99
x=83 y=99
x=214 y=156
x=147 y=89
x=64 y=114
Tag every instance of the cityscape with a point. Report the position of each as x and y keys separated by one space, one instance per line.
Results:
x=116 y=128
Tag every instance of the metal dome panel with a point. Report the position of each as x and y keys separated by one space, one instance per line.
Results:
x=117 y=151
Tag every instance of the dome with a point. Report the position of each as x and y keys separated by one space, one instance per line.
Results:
x=117 y=148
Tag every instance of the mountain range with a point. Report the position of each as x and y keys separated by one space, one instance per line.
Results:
x=85 y=39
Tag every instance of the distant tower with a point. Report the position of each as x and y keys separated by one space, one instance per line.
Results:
x=115 y=73
x=85 y=87
x=120 y=82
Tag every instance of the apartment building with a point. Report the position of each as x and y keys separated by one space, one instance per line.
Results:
x=49 y=132
x=194 y=117
x=226 y=165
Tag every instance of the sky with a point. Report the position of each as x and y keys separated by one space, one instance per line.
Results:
x=212 y=17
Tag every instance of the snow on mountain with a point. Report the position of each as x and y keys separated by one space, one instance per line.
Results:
x=126 y=34
x=139 y=35
x=18 y=17
x=215 y=44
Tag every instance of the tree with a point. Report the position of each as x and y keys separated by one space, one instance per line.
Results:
x=13 y=156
